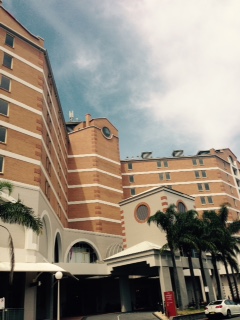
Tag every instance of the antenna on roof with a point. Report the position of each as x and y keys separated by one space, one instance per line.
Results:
x=71 y=113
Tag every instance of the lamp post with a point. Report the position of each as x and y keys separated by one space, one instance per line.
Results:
x=58 y=276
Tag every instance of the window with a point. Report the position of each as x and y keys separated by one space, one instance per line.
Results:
x=5 y=83
x=49 y=121
x=7 y=60
x=159 y=164
x=207 y=187
x=204 y=174
x=1 y=163
x=47 y=190
x=133 y=192
x=164 y=176
x=181 y=207
x=168 y=177
x=197 y=174
x=9 y=40
x=48 y=165
x=106 y=132
x=165 y=164
x=131 y=179
x=142 y=213
x=130 y=166
x=200 y=187
x=235 y=171
x=210 y=199
x=3 y=132
x=231 y=159
x=48 y=143
x=3 y=107
x=194 y=161
x=82 y=252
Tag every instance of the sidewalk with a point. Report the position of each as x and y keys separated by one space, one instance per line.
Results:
x=160 y=315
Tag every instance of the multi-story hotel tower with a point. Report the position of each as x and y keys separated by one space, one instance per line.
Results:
x=91 y=203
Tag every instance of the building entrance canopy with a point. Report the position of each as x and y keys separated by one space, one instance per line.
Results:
x=31 y=267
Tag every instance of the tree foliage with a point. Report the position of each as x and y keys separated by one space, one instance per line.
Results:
x=16 y=213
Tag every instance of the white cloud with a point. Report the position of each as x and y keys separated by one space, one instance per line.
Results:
x=168 y=70
x=194 y=57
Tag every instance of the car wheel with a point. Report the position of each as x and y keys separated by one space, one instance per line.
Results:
x=229 y=314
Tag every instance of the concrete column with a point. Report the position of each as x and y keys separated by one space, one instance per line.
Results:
x=210 y=285
x=183 y=288
x=165 y=280
x=125 y=295
x=30 y=298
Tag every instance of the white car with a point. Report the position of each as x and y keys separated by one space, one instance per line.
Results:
x=225 y=308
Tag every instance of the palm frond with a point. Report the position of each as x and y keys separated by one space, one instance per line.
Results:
x=11 y=252
x=6 y=185
x=20 y=214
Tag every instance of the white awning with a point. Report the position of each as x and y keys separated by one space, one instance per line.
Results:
x=31 y=267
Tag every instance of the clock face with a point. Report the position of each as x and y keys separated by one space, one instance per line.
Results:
x=106 y=132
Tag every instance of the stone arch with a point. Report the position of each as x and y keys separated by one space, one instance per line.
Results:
x=57 y=254
x=45 y=238
x=114 y=249
x=82 y=251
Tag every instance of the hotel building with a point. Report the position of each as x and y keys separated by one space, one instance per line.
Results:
x=92 y=204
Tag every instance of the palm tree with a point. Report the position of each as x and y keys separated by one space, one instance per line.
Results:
x=187 y=228
x=17 y=213
x=166 y=222
x=225 y=243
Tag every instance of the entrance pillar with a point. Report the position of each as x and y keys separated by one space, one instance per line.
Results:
x=125 y=295
x=30 y=298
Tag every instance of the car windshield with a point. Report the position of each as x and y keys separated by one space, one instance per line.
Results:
x=215 y=302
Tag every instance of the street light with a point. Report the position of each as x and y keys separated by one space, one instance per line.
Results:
x=58 y=276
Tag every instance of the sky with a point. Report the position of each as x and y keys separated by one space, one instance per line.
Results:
x=166 y=73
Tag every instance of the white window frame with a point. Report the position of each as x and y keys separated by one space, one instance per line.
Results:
x=10 y=37
x=131 y=179
x=5 y=105
x=133 y=191
x=168 y=176
x=204 y=173
x=194 y=162
x=2 y=160
x=159 y=164
x=207 y=186
x=5 y=134
x=130 y=166
x=197 y=174
x=5 y=56
x=165 y=163
x=211 y=199
x=9 y=86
